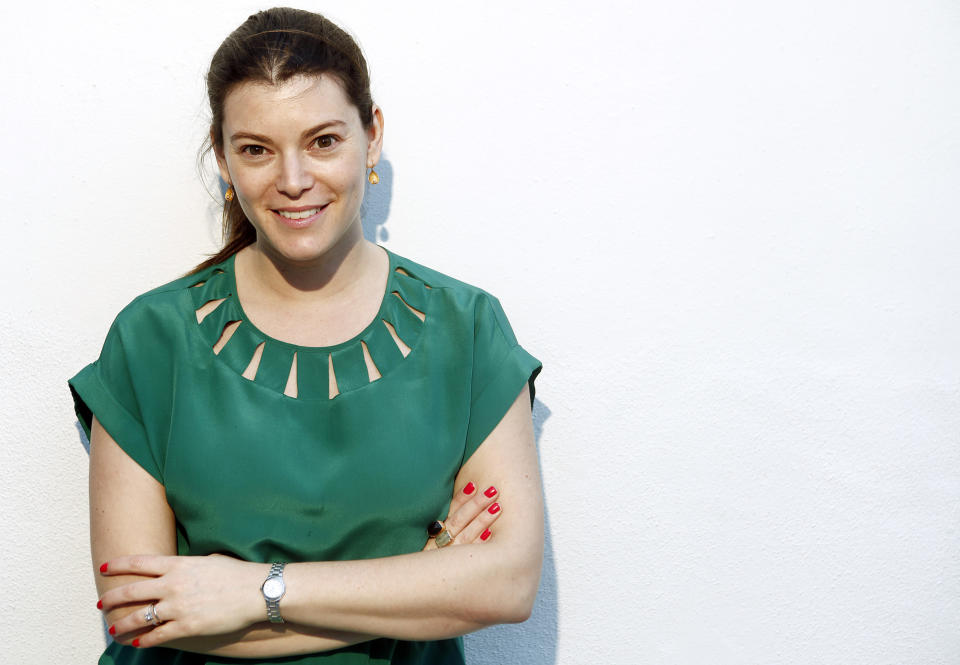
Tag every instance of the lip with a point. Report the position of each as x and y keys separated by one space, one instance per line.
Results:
x=298 y=223
x=300 y=208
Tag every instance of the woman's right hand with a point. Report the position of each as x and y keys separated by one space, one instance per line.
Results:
x=471 y=516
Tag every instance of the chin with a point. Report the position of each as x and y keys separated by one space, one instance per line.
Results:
x=307 y=245
x=301 y=254
x=306 y=250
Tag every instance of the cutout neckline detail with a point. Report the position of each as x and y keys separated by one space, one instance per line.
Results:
x=231 y=269
x=322 y=372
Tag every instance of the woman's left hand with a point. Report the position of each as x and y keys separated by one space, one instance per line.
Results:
x=192 y=596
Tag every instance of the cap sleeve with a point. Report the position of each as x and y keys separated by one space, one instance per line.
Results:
x=107 y=389
x=501 y=367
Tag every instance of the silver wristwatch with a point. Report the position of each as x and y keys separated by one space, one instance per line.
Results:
x=273 y=589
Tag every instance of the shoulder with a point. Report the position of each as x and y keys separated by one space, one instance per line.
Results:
x=166 y=304
x=467 y=297
x=464 y=311
x=473 y=323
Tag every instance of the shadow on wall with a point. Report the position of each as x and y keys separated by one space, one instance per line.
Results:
x=535 y=641
x=376 y=204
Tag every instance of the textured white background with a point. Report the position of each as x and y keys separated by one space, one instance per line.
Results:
x=729 y=229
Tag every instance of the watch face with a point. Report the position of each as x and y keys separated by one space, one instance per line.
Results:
x=273 y=588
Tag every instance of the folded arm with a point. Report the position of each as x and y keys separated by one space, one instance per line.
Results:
x=426 y=595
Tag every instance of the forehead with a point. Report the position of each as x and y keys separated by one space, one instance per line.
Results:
x=297 y=102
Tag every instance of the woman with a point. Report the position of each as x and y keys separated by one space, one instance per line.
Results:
x=272 y=434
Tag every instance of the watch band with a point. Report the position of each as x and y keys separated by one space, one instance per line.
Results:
x=273 y=605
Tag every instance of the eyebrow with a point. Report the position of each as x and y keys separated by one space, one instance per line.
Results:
x=264 y=139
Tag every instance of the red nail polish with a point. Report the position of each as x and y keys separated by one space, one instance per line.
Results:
x=490 y=491
x=136 y=642
x=99 y=604
x=494 y=509
x=469 y=488
x=103 y=568
x=113 y=630
x=485 y=534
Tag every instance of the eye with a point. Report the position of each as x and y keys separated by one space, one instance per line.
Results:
x=253 y=150
x=326 y=141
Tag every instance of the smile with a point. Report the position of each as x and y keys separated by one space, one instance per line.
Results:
x=300 y=219
x=300 y=214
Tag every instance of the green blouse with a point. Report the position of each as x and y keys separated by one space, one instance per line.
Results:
x=261 y=476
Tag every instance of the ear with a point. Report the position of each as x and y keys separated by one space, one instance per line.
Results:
x=221 y=159
x=375 y=137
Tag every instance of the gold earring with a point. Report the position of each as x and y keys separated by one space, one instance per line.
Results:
x=228 y=195
x=373 y=178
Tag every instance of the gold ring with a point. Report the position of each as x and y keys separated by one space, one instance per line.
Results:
x=444 y=538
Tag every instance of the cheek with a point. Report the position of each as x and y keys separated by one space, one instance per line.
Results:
x=251 y=186
x=251 y=214
x=347 y=177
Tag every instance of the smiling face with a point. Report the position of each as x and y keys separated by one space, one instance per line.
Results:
x=296 y=155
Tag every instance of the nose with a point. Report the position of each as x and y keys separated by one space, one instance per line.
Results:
x=294 y=178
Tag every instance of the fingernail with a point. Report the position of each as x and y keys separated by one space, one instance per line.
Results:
x=99 y=604
x=491 y=491
x=485 y=534
x=494 y=509
x=113 y=630
x=469 y=488
x=136 y=642
x=103 y=568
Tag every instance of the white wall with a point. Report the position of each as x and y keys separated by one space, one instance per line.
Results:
x=728 y=229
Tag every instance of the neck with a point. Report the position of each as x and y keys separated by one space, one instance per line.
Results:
x=334 y=273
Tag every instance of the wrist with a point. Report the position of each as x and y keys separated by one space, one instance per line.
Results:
x=273 y=590
x=253 y=603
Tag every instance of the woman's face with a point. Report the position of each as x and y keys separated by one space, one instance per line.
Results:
x=296 y=155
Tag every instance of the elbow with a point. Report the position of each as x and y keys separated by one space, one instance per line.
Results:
x=514 y=605
x=512 y=599
x=520 y=606
x=500 y=609
x=519 y=591
x=517 y=614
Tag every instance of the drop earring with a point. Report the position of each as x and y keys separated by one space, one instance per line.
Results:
x=228 y=195
x=373 y=178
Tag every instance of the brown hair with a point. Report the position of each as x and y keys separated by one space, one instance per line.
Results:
x=273 y=46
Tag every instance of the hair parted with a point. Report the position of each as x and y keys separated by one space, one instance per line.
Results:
x=273 y=46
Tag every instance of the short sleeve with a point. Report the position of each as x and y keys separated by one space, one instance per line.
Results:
x=501 y=367
x=106 y=388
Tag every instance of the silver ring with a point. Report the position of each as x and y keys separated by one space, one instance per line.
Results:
x=150 y=615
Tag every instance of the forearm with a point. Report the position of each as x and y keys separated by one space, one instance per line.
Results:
x=330 y=605
x=266 y=640
x=260 y=639
x=422 y=596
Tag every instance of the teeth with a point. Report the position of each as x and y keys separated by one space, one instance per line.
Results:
x=299 y=215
